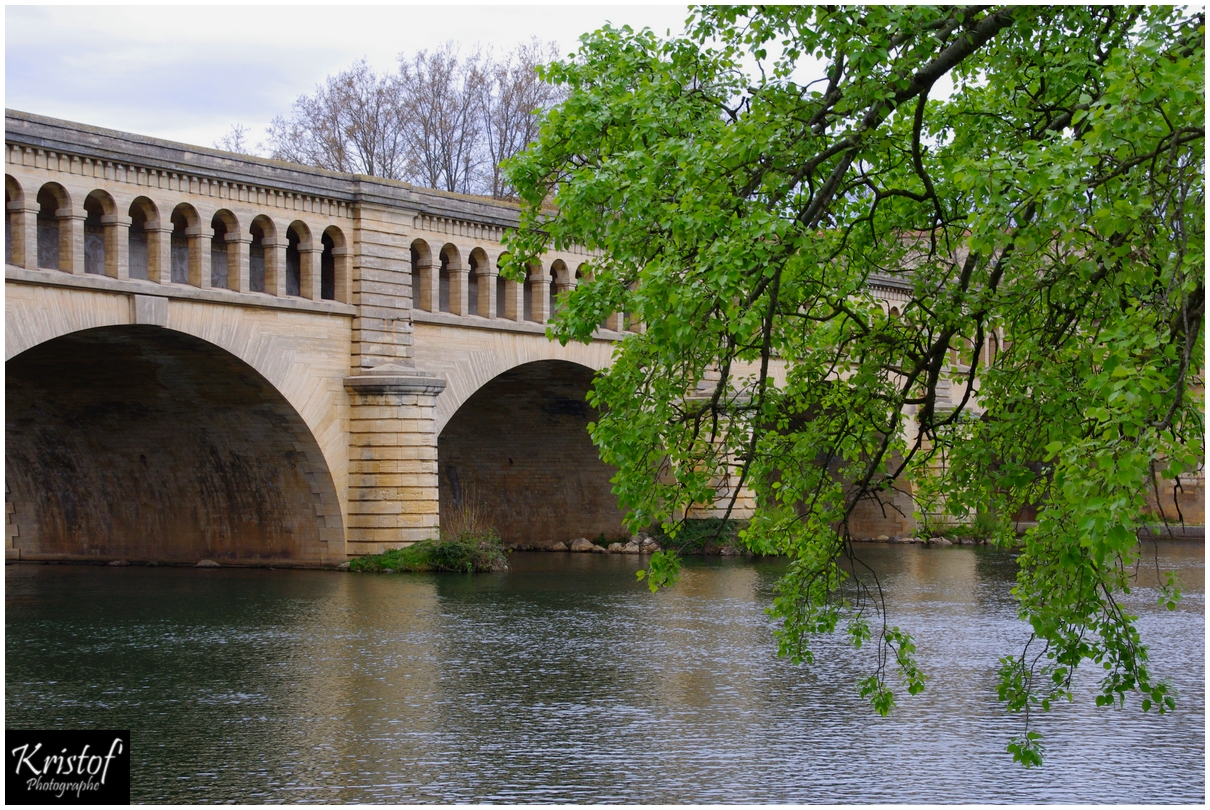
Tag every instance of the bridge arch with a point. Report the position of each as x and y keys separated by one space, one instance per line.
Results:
x=263 y=232
x=14 y=205
x=142 y=259
x=307 y=387
x=159 y=445
x=225 y=248
x=99 y=212
x=185 y=245
x=54 y=227
x=335 y=278
x=516 y=455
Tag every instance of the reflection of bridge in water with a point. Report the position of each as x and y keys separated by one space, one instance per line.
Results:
x=210 y=355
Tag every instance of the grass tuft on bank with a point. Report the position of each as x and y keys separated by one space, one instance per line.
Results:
x=466 y=552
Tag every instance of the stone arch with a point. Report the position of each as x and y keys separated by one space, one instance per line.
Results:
x=99 y=209
x=54 y=227
x=422 y=275
x=163 y=446
x=503 y=287
x=466 y=372
x=534 y=276
x=185 y=244
x=517 y=454
x=298 y=236
x=559 y=282
x=141 y=257
x=264 y=235
x=224 y=248
x=477 y=294
x=451 y=263
x=14 y=203
x=334 y=266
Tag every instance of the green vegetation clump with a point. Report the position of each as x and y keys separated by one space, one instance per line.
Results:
x=700 y=536
x=466 y=552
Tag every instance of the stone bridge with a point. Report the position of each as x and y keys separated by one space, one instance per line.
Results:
x=210 y=355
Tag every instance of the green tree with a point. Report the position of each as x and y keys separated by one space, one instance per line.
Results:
x=1033 y=177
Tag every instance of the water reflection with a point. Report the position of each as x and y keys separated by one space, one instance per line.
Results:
x=565 y=680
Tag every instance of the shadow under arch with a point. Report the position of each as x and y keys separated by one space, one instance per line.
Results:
x=518 y=452
x=141 y=443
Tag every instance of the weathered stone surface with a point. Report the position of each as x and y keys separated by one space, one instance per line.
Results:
x=207 y=564
x=938 y=541
x=119 y=562
x=560 y=546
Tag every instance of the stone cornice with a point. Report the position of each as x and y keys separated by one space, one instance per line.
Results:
x=128 y=149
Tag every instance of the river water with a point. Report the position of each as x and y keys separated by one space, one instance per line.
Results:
x=564 y=680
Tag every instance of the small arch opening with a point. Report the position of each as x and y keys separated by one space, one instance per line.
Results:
x=96 y=207
x=472 y=286
x=293 y=263
x=327 y=269
x=218 y=252
x=12 y=194
x=51 y=198
x=443 y=291
x=256 y=256
x=532 y=274
x=183 y=218
x=141 y=212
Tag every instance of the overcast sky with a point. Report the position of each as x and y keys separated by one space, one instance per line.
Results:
x=187 y=73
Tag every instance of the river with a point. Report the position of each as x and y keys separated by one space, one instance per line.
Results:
x=564 y=680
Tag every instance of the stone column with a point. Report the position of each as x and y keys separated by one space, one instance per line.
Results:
x=159 y=252
x=71 y=240
x=341 y=260
x=458 y=291
x=514 y=300
x=487 y=292
x=309 y=269
x=615 y=321
x=199 y=257
x=117 y=245
x=237 y=261
x=25 y=234
x=539 y=294
x=275 y=265
x=564 y=284
x=428 y=297
x=392 y=458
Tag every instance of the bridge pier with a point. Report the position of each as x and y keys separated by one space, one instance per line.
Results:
x=393 y=485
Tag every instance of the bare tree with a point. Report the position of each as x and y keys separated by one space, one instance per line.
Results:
x=236 y=140
x=513 y=99
x=353 y=123
x=442 y=93
x=442 y=120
